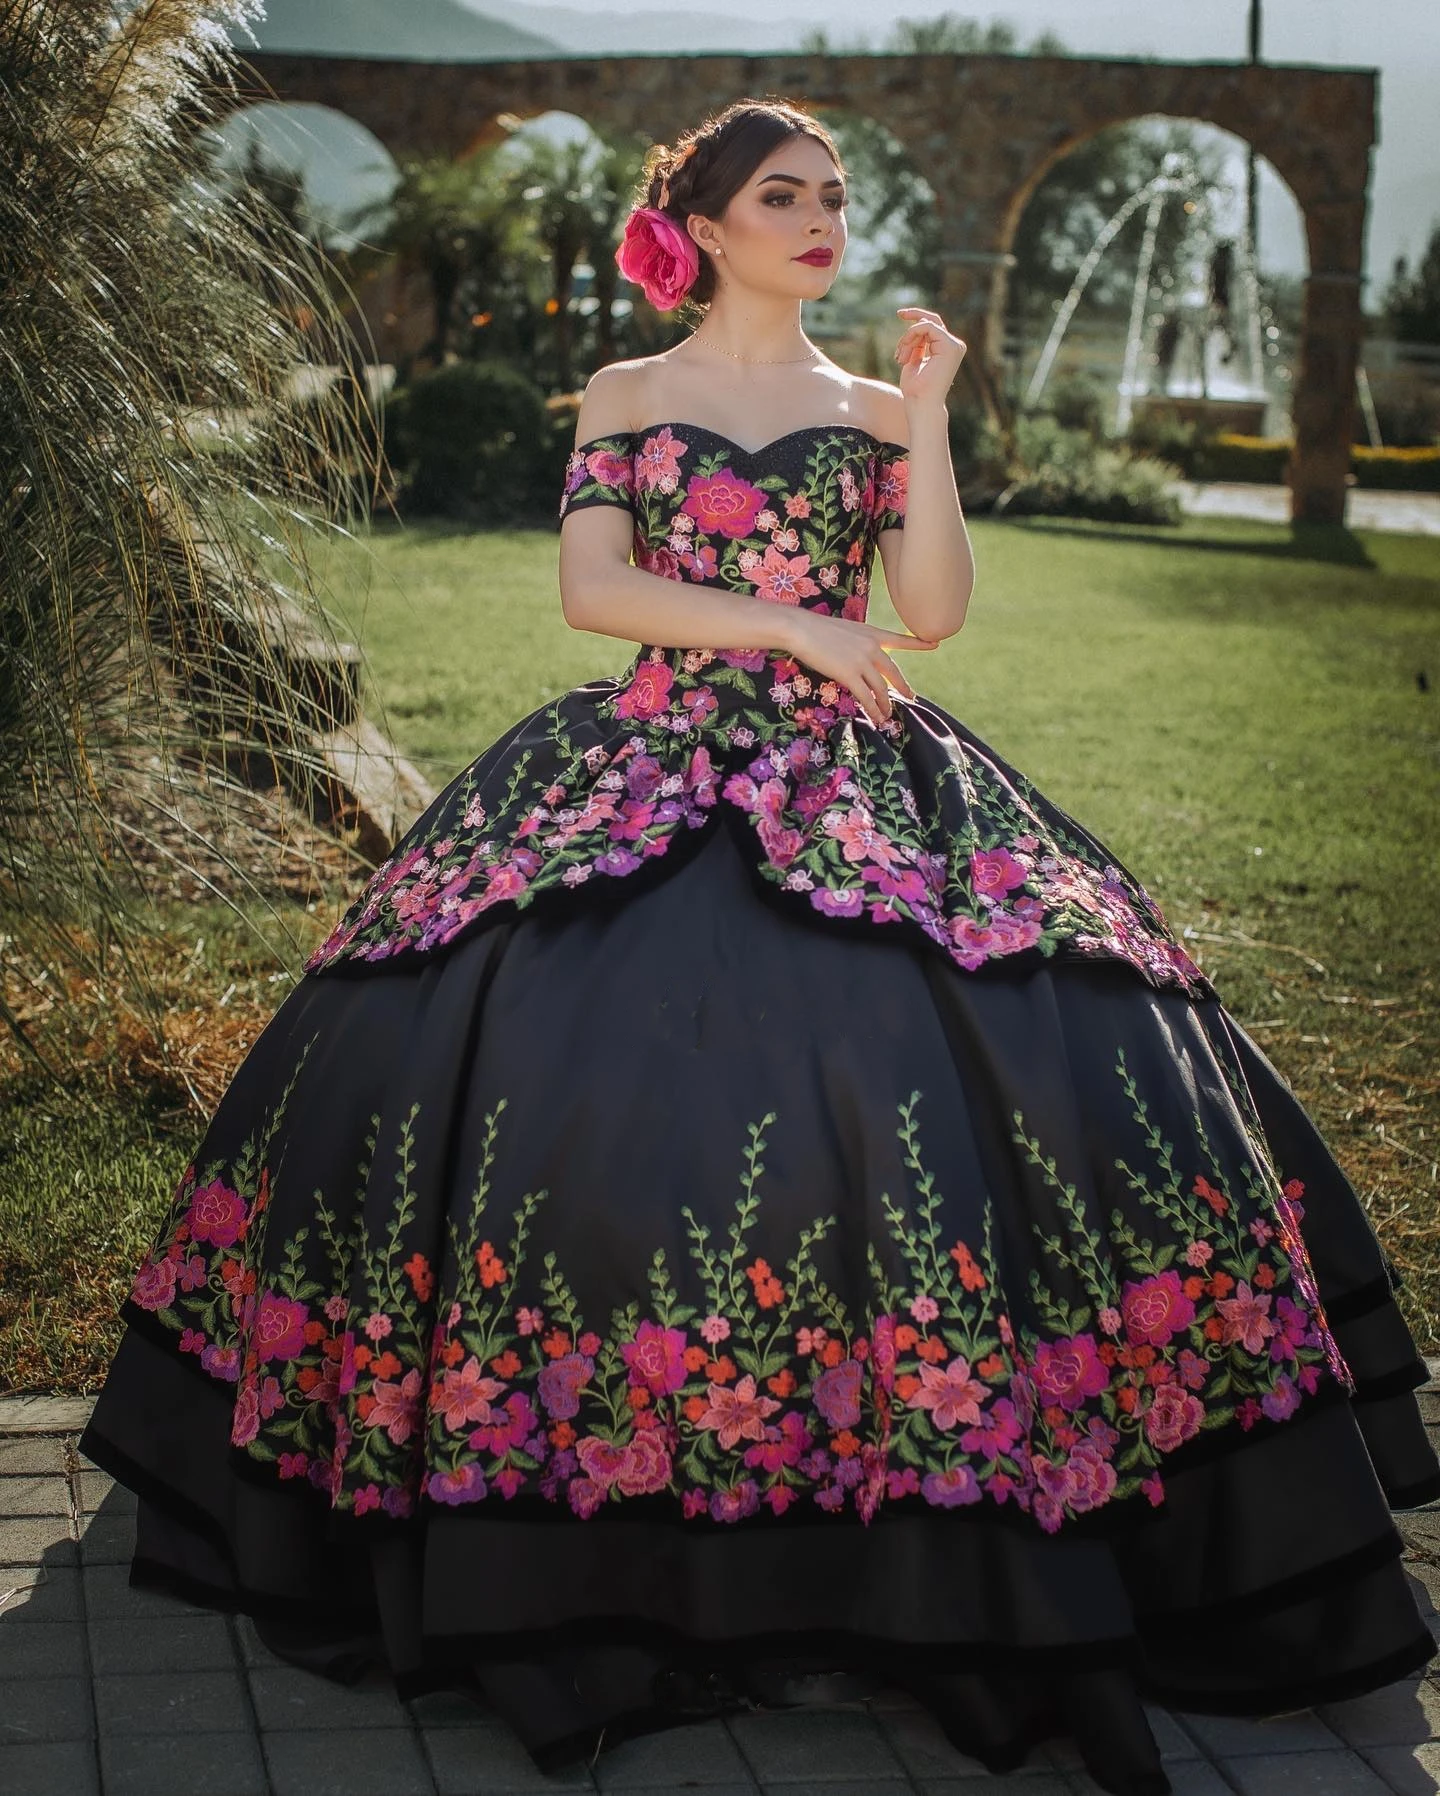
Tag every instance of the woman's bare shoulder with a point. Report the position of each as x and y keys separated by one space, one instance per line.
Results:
x=879 y=407
x=618 y=396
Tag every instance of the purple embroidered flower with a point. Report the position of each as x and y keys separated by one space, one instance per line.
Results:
x=1283 y=1401
x=221 y=1362
x=951 y=1489
x=734 y=1505
x=837 y=1394
x=849 y=902
x=559 y=1384
x=464 y=1485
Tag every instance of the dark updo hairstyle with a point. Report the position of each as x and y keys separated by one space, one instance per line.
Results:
x=728 y=147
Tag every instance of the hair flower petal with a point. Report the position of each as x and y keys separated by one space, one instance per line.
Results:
x=659 y=256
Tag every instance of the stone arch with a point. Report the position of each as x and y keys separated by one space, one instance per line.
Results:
x=987 y=126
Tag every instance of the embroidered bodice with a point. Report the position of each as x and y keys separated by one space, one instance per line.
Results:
x=912 y=821
x=794 y=522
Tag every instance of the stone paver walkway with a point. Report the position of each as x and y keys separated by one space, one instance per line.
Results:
x=108 y=1689
x=1408 y=514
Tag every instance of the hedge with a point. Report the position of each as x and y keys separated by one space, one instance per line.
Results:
x=1263 y=459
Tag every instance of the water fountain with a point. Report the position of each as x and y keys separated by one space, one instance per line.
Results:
x=1187 y=373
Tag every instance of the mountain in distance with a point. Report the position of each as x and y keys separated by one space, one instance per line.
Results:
x=657 y=33
x=420 y=30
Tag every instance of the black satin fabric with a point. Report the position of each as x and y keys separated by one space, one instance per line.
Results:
x=665 y=1016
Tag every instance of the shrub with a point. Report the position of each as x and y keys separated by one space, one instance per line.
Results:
x=1414 y=470
x=1263 y=459
x=1076 y=403
x=1168 y=437
x=1231 y=457
x=1066 y=473
x=474 y=440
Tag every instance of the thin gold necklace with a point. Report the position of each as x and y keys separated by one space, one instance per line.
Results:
x=757 y=361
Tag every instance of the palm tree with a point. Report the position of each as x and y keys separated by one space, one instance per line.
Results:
x=449 y=221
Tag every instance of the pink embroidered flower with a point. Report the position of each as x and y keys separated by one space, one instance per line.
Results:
x=463 y=1397
x=217 y=1214
x=664 y=563
x=1247 y=1317
x=893 y=487
x=609 y=469
x=952 y=1396
x=995 y=871
x=659 y=256
x=738 y=1414
x=657 y=465
x=783 y=579
x=860 y=839
x=1092 y=1478
x=656 y=1358
x=648 y=692
x=1174 y=1416
x=397 y=1406
x=279 y=1331
x=714 y=1329
x=601 y=1459
x=1069 y=1370
x=644 y=1465
x=154 y=1286
x=1155 y=1309
x=722 y=503
x=245 y=1420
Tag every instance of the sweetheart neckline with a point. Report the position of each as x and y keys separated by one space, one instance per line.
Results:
x=750 y=454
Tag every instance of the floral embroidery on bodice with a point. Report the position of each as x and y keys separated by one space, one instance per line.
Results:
x=912 y=821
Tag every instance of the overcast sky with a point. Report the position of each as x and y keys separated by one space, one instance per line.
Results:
x=1399 y=37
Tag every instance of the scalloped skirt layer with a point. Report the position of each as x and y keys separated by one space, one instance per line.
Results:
x=637 y=1036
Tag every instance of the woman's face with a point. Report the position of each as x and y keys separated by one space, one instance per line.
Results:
x=792 y=206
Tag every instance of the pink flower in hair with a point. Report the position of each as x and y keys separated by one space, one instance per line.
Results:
x=658 y=256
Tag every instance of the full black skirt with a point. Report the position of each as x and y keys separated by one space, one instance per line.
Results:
x=684 y=1100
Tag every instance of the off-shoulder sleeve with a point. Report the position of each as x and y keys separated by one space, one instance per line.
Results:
x=892 y=486
x=600 y=472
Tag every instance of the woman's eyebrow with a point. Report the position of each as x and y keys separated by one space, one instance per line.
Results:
x=796 y=181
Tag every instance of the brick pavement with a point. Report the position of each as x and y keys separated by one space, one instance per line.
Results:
x=108 y=1689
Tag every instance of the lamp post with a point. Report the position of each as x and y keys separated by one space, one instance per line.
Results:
x=1251 y=186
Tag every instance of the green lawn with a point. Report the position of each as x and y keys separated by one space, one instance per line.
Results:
x=1250 y=720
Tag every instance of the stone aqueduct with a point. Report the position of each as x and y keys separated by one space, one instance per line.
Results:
x=984 y=130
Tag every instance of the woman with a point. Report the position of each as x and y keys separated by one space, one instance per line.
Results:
x=752 y=1187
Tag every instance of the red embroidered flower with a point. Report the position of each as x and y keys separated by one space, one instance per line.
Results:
x=721 y=503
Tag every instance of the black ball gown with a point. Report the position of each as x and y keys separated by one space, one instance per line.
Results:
x=744 y=1190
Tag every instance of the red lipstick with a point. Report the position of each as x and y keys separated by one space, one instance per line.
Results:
x=820 y=257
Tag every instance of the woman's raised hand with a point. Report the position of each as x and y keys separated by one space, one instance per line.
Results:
x=928 y=354
x=852 y=653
